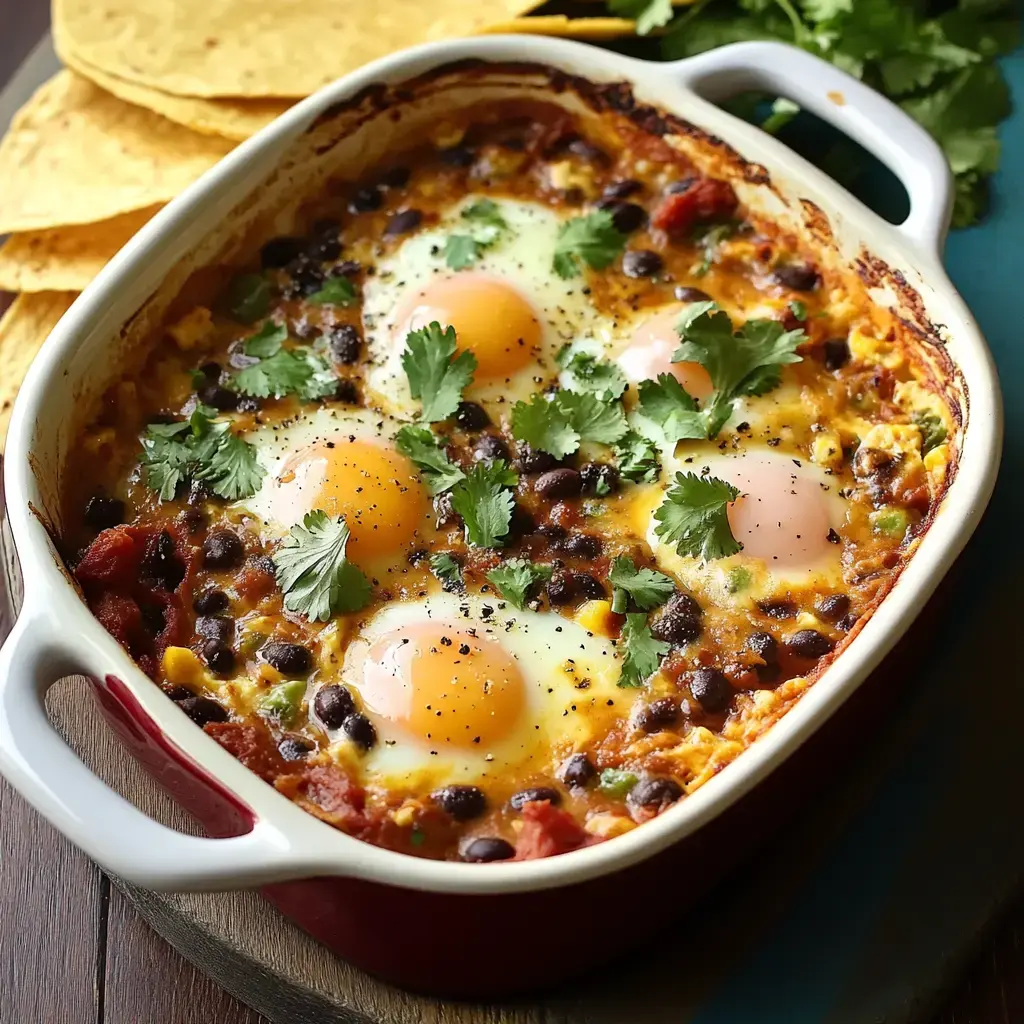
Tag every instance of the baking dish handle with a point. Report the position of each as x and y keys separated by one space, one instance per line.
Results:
x=852 y=107
x=120 y=838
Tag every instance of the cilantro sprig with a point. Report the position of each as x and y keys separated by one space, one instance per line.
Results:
x=313 y=570
x=425 y=449
x=484 y=500
x=283 y=371
x=637 y=458
x=586 y=372
x=935 y=58
x=560 y=423
x=447 y=570
x=202 y=450
x=516 y=577
x=436 y=375
x=694 y=517
x=592 y=239
x=642 y=653
x=484 y=216
x=645 y=587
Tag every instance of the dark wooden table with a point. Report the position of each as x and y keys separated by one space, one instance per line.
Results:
x=72 y=951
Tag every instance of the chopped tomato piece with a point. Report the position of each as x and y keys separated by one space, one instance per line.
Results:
x=120 y=616
x=547 y=830
x=114 y=558
x=705 y=200
x=327 y=792
x=252 y=745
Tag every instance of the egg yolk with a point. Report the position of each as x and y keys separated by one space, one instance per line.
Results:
x=491 y=320
x=780 y=516
x=443 y=686
x=372 y=486
x=649 y=354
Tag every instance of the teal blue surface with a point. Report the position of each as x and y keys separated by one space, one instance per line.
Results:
x=912 y=877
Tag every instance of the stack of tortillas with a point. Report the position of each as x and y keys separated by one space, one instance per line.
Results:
x=153 y=94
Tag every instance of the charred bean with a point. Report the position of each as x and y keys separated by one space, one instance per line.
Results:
x=833 y=607
x=765 y=646
x=530 y=460
x=638 y=263
x=487 y=849
x=797 y=277
x=161 y=564
x=778 y=609
x=626 y=217
x=711 y=689
x=461 y=802
x=289 y=659
x=203 y=710
x=684 y=604
x=588 y=587
x=675 y=628
x=279 y=252
x=293 y=749
x=471 y=417
x=808 y=643
x=686 y=294
x=215 y=627
x=402 y=223
x=333 y=704
x=578 y=770
x=559 y=483
x=622 y=189
x=658 y=715
x=581 y=545
x=219 y=656
x=101 y=513
x=490 y=447
x=345 y=343
x=210 y=602
x=525 y=796
x=657 y=792
x=364 y=200
x=360 y=730
x=599 y=478
x=223 y=549
x=836 y=353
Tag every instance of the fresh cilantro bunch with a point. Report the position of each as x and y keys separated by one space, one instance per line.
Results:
x=560 y=423
x=436 y=375
x=313 y=570
x=936 y=58
x=199 y=449
x=284 y=371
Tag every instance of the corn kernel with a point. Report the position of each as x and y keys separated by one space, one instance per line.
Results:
x=598 y=617
x=827 y=450
x=607 y=826
x=181 y=667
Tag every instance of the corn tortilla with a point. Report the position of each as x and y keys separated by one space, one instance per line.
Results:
x=65 y=258
x=23 y=329
x=77 y=155
x=561 y=25
x=235 y=48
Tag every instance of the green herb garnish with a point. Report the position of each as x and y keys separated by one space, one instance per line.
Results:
x=314 y=573
x=694 y=517
x=484 y=500
x=592 y=239
x=436 y=375
x=558 y=424
x=588 y=373
x=248 y=297
x=614 y=782
x=643 y=653
x=516 y=577
x=425 y=449
x=667 y=405
x=637 y=458
x=285 y=371
x=649 y=14
x=336 y=291
x=645 y=587
x=933 y=430
x=447 y=570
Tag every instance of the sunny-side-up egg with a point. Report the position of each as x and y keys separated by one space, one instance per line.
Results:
x=342 y=461
x=784 y=517
x=510 y=309
x=457 y=697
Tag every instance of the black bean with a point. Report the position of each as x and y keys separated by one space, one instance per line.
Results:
x=588 y=587
x=307 y=276
x=218 y=656
x=402 y=223
x=525 y=796
x=346 y=268
x=684 y=185
x=279 y=252
x=198 y=492
x=346 y=391
x=711 y=689
x=559 y=483
x=582 y=545
x=676 y=629
x=833 y=607
x=487 y=849
x=490 y=447
x=780 y=608
x=797 y=277
x=657 y=792
x=219 y=397
x=289 y=659
x=622 y=189
x=561 y=588
x=658 y=715
x=578 y=770
x=223 y=549
x=325 y=227
x=395 y=177
x=293 y=749
x=359 y=729
x=627 y=217
x=765 y=646
x=215 y=627
x=325 y=250
x=248 y=403
x=209 y=602
x=808 y=643
x=101 y=513
x=333 y=704
x=471 y=417
x=153 y=617
x=345 y=343
x=638 y=263
x=462 y=802
x=684 y=604
x=531 y=460
x=161 y=564
x=599 y=478
x=552 y=532
x=522 y=523
x=456 y=156
x=180 y=693
x=264 y=563
x=836 y=352
x=847 y=622
x=192 y=519
x=686 y=294
x=366 y=199
x=203 y=710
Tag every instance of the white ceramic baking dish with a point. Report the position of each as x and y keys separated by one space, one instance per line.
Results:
x=56 y=635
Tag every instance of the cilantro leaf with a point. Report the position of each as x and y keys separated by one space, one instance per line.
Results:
x=486 y=212
x=166 y=458
x=267 y=341
x=515 y=577
x=667 y=404
x=709 y=238
x=298 y=372
x=592 y=238
x=435 y=377
x=637 y=458
x=231 y=469
x=248 y=297
x=314 y=574
x=484 y=501
x=592 y=417
x=336 y=291
x=461 y=251
x=649 y=14
x=643 y=653
x=647 y=588
x=424 y=448
x=588 y=373
x=694 y=517
x=447 y=570
x=544 y=426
